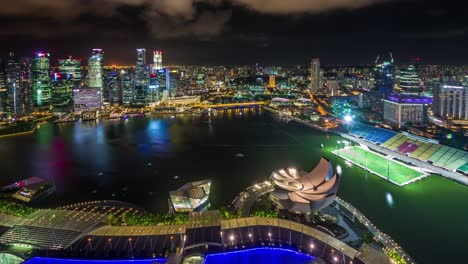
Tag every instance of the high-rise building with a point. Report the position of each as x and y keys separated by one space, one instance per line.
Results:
x=70 y=67
x=272 y=81
x=26 y=92
x=315 y=75
x=112 y=91
x=3 y=88
x=13 y=74
x=41 y=81
x=62 y=93
x=409 y=81
x=384 y=75
x=96 y=71
x=402 y=109
x=141 y=78
x=157 y=60
x=126 y=86
x=451 y=100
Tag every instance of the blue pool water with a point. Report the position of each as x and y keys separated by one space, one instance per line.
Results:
x=254 y=256
x=40 y=260
x=259 y=256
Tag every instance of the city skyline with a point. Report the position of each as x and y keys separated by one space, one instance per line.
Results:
x=240 y=32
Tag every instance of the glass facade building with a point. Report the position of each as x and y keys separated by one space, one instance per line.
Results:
x=71 y=67
x=96 y=71
x=62 y=93
x=409 y=81
x=157 y=60
x=315 y=75
x=384 y=76
x=126 y=86
x=41 y=81
x=141 y=78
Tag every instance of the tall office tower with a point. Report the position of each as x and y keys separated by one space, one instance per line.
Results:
x=62 y=93
x=157 y=60
x=96 y=71
x=141 y=78
x=71 y=67
x=41 y=80
x=112 y=86
x=173 y=76
x=315 y=75
x=163 y=83
x=272 y=81
x=383 y=74
x=153 y=89
x=126 y=86
x=409 y=81
x=13 y=74
x=3 y=88
x=26 y=92
x=451 y=100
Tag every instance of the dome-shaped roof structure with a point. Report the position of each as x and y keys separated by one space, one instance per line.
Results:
x=304 y=192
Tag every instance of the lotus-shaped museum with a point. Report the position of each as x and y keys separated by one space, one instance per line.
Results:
x=304 y=192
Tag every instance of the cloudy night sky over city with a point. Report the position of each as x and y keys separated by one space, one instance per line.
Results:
x=207 y=32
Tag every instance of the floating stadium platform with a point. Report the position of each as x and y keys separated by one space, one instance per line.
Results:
x=383 y=166
x=420 y=148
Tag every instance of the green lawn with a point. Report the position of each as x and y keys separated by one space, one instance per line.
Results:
x=397 y=172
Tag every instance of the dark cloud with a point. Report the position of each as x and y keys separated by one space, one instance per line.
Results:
x=164 y=18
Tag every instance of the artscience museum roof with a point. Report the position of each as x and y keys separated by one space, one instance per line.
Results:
x=304 y=192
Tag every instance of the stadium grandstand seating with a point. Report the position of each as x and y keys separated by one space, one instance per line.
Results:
x=394 y=142
x=449 y=158
x=407 y=147
x=416 y=147
x=370 y=133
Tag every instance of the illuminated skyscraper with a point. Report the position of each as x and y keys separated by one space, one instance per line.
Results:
x=272 y=81
x=3 y=88
x=141 y=78
x=451 y=101
x=41 y=80
x=315 y=75
x=383 y=74
x=62 y=93
x=409 y=81
x=112 y=91
x=71 y=67
x=126 y=86
x=96 y=71
x=157 y=60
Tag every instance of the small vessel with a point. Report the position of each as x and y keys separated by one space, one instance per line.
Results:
x=149 y=164
x=176 y=177
x=239 y=155
x=100 y=174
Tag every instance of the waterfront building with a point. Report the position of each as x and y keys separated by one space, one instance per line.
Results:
x=157 y=60
x=112 y=93
x=141 y=78
x=451 y=101
x=3 y=88
x=401 y=110
x=174 y=79
x=71 y=67
x=96 y=71
x=315 y=79
x=62 y=93
x=305 y=192
x=384 y=75
x=409 y=81
x=85 y=99
x=153 y=89
x=191 y=196
x=126 y=86
x=41 y=80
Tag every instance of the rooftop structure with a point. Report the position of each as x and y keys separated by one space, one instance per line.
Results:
x=304 y=192
x=191 y=196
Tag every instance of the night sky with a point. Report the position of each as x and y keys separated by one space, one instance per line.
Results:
x=269 y=32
